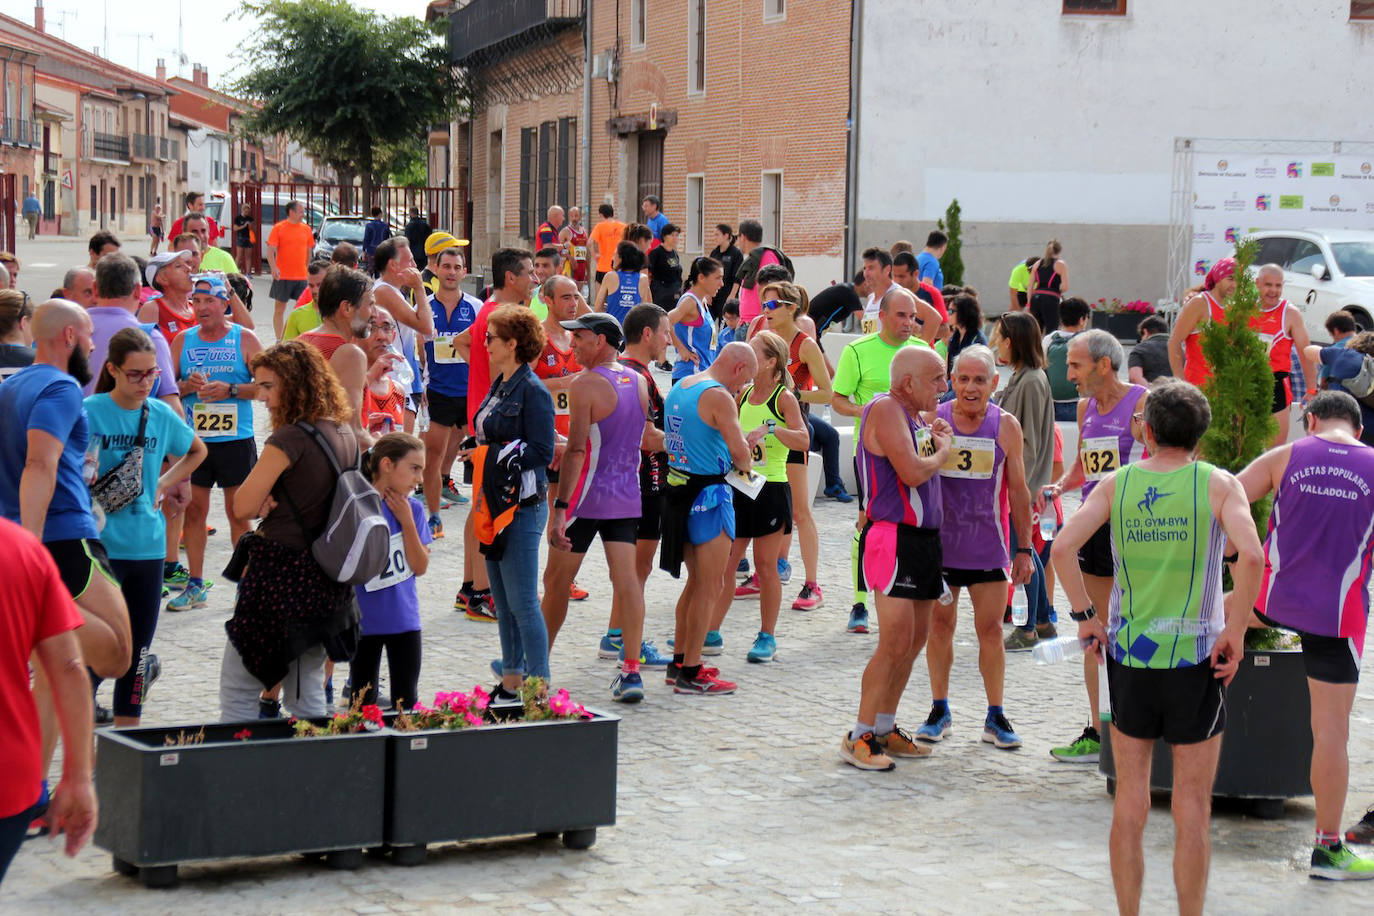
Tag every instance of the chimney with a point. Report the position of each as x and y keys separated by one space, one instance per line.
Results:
x=161 y=70
x=38 y=15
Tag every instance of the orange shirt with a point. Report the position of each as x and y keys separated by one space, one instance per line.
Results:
x=294 y=242
x=607 y=234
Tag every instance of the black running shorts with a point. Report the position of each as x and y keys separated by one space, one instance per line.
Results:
x=1095 y=557
x=1180 y=705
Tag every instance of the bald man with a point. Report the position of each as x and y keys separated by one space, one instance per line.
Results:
x=546 y=235
x=898 y=457
x=78 y=285
x=705 y=443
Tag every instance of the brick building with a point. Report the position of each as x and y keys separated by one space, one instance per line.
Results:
x=725 y=110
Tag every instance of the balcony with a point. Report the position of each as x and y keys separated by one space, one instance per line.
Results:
x=145 y=146
x=20 y=132
x=485 y=31
x=169 y=150
x=108 y=146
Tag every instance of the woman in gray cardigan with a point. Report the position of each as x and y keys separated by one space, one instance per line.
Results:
x=1016 y=340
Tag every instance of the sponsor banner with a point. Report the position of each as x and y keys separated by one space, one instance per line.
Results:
x=1237 y=195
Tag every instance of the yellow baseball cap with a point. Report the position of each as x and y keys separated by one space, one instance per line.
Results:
x=438 y=241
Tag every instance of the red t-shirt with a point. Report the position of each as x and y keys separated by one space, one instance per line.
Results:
x=556 y=363
x=213 y=226
x=34 y=605
x=479 y=363
x=937 y=299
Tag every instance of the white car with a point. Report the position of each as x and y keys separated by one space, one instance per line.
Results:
x=1324 y=270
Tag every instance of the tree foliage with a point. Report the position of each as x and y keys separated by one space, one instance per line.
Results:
x=345 y=83
x=952 y=263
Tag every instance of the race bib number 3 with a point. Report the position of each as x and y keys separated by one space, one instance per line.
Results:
x=445 y=351
x=970 y=458
x=1100 y=456
x=397 y=569
x=214 y=421
x=560 y=403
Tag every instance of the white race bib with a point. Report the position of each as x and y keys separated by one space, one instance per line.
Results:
x=579 y=252
x=759 y=453
x=214 y=421
x=560 y=403
x=1100 y=456
x=970 y=458
x=869 y=325
x=397 y=569
x=445 y=350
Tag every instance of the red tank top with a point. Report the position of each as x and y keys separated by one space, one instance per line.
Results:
x=577 y=241
x=391 y=404
x=1272 y=327
x=323 y=341
x=1195 y=368
x=556 y=363
x=801 y=372
x=171 y=321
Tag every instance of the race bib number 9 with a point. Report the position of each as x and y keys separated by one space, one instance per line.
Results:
x=970 y=458
x=1100 y=456
x=214 y=421
x=759 y=454
x=397 y=569
x=560 y=403
x=445 y=351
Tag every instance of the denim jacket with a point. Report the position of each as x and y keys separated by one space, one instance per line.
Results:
x=521 y=408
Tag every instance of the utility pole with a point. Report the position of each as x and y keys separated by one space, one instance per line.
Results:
x=138 y=46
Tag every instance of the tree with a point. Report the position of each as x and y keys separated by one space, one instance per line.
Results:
x=345 y=83
x=952 y=264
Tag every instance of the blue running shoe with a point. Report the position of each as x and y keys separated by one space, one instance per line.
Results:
x=935 y=726
x=496 y=668
x=611 y=647
x=765 y=648
x=858 y=619
x=998 y=732
x=784 y=570
x=839 y=493
x=714 y=644
x=649 y=656
x=742 y=571
x=627 y=688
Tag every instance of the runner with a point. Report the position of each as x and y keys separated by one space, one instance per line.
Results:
x=775 y=430
x=546 y=265
x=877 y=272
x=573 y=237
x=400 y=289
x=1185 y=341
x=1170 y=645
x=863 y=373
x=547 y=234
x=598 y=493
x=898 y=462
x=1279 y=325
x=605 y=236
x=626 y=286
x=345 y=307
x=305 y=316
x=1049 y=281
x=384 y=400
x=218 y=391
x=694 y=331
x=1109 y=438
x=170 y=274
x=987 y=445
x=1321 y=589
x=704 y=443
x=288 y=252
x=453 y=312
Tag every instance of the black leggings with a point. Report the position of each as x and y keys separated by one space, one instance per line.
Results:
x=402 y=662
x=141 y=583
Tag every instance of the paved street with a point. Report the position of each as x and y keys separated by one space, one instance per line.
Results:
x=728 y=803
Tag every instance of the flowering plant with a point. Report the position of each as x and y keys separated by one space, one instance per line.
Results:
x=359 y=718
x=541 y=706
x=1115 y=306
x=452 y=711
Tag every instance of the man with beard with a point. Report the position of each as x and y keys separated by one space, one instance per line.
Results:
x=345 y=307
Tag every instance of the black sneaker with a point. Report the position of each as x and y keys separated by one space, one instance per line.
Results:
x=504 y=704
x=152 y=670
x=103 y=716
x=269 y=709
x=670 y=673
x=1363 y=832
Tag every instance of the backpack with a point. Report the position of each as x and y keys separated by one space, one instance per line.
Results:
x=1361 y=386
x=356 y=541
x=1057 y=367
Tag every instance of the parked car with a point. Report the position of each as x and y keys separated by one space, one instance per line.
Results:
x=336 y=229
x=1324 y=270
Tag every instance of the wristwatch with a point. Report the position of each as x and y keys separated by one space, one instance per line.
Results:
x=1026 y=550
x=233 y=389
x=771 y=424
x=560 y=504
x=1081 y=616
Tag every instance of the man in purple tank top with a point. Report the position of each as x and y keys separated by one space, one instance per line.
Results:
x=598 y=487
x=1316 y=581
x=987 y=446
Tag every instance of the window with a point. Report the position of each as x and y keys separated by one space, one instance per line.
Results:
x=650 y=172
x=770 y=208
x=567 y=162
x=548 y=168
x=1095 y=7
x=774 y=10
x=496 y=165
x=696 y=46
x=1362 y=9
x=529 y=204
x=694 y=236
x=95 y=202
x=143 y=192
x=128 y=187
x=638 y=29
x=1305 y=255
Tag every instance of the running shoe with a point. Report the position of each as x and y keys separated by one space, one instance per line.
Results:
x=445 y=502
x=1019 y=640
x=705 y=684
x=192 y=596
x=673 y=669
x=166 y=591
x=329 y=692
x=177 y=578
x=1363 y=832
x=496 y=668
x=749 y=588
x=998 y=732
x=504 y=704
x=839 y=493
x=1046 y=630
x=898 y=743
x=865 y=753
x=211 y=530
x=611 y=647
x=452 y=494
x=858 y=619
x=714 y=644
x=269 y=708
x=627 y=688
x=436 y=527
x=152 y=670
x=577 y=594
x=784 y=570
x=1086 y=748
x=463 y=598
x=809 y=598
x=935 y=726
x=742 y=570
x=649 y=656
x=103 y=715
x=1338 y=863
x=765 y=648
x=480 y=608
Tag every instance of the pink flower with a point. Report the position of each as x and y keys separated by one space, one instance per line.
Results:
x=473 y=719
x=480 y=699
x=420 y=707
x=373 y=713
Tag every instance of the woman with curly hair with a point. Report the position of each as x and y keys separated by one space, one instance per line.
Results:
x=288 y=612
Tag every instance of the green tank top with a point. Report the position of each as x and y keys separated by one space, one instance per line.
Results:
x=769 y=456
x=1166 y=607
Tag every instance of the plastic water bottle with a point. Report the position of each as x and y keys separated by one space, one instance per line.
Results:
x=1020 y=606
x=90 y=466
x=1047 y=525
x=400 y=369
x=422 y=417
x=946 y=596
x=1051 y=651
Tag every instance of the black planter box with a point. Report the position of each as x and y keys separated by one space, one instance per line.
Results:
x=1266 y=749
x=1121 y=325
x=225 y=798
x=536 y=777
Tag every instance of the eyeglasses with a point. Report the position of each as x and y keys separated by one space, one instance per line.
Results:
x=385 y=328
x=771 y=304
x=1138 y=417
x=138 y=378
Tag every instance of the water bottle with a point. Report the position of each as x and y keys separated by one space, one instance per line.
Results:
x=400 y=369
x=1020 y=606
x=422 y=417
x=90 y=468
x=946 y=596
x=1050 y=651
x=1047 y=525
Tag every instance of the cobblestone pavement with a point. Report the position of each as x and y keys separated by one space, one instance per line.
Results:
x=741 y=802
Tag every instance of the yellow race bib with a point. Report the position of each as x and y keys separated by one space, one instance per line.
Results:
x=970 y=458
x=445 y=350
x=214 y=421
x=560 y=403
x=1100 y=456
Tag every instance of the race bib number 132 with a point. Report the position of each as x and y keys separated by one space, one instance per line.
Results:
x=1100 y=456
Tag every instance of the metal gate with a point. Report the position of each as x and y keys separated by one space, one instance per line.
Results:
x=439 y=206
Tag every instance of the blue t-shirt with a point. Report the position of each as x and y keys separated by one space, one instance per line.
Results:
x=138 y=531
x=448 y=374
x=928 y=268
x=390 y=602
x=656 y=224
x=45 y=398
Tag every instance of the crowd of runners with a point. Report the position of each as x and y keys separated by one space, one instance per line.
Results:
x=598 y=389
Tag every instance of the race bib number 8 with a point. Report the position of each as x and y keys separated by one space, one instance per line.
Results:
x=560 y=403
x=445 y=351
x=970 y=458
x=1100 y=457
x=214 y=421
x=397 y=569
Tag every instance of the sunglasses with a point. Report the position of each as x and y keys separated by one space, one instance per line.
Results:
x=491 y=337
x=771 y=305
x=138 y=378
